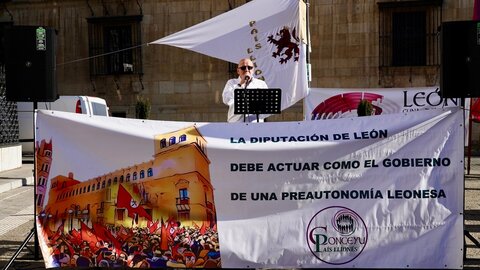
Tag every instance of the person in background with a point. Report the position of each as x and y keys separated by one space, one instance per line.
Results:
x=245 y=71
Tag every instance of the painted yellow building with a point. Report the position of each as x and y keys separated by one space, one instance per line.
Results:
x=44 y=161
x=174 y=184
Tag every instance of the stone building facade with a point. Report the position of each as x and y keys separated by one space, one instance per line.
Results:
x=351 y=46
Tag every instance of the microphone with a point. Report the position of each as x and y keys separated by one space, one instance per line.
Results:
x=247 y=80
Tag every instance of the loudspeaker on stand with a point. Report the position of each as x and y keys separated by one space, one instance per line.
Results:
x=30 y=63
x=460 y=66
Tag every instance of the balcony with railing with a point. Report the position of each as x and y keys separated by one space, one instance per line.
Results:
x=182 y=201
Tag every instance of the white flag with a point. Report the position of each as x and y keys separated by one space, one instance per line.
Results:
x=267 y=32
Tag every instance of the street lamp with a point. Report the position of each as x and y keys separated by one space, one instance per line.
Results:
x=70 y=214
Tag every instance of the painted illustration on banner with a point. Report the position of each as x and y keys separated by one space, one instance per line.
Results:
x=155 y=213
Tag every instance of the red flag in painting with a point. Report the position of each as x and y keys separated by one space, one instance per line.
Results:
x=203 y=229
x=164 y=236
x=58 y=233
x=476 y=10
x=104 y=234
x=71 y=250
x=125 y=200
x=88 y=235
x=124 y=234
x=152 y=226
x=75 y=237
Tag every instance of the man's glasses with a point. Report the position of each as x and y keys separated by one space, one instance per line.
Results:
x=245 y=68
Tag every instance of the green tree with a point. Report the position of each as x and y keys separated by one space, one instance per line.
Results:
x=364 y=108
x=142 y=108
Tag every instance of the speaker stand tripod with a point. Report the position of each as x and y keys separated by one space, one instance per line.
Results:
x=33 y=231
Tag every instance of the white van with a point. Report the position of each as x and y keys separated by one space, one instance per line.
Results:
x=76 y=104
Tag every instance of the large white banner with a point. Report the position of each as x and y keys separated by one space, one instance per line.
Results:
x=269 y=32
x=371 y=192
x=328 y=103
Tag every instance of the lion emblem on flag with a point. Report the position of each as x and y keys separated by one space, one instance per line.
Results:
x=286 y=47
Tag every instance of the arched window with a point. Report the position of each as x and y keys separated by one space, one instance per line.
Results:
x=98 y=185
x=93 y=187
x=172 y=140
x=149 y=172
x=134 y=176
x=45 y=167
x=121 y=179
x=183 y=193
x=142 y=174
x=109 y=183
x=128 y=177
x=103 y=184
x=182 y=138
x=115 y=180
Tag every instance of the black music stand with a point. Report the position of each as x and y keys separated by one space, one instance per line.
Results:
x=257 y=101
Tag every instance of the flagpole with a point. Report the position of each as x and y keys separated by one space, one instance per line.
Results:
x=309 y=66
x=307 y=46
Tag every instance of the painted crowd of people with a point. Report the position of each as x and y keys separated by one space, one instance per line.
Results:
x=181 y=247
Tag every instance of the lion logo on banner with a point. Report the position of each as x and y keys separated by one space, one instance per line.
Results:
x=285 y=46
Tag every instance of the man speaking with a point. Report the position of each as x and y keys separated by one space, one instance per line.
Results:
x=245 y=80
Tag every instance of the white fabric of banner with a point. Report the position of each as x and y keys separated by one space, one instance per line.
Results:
x=329 y=103
x=266 y=31
x=366 y=192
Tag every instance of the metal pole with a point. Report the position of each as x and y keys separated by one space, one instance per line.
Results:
x=309 y=67
x=307 y=47
x=32 y=232
x=36 y=254
x=469 y=147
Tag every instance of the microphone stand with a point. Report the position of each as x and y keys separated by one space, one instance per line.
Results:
x=247 y=82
